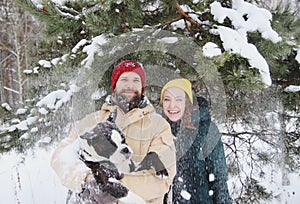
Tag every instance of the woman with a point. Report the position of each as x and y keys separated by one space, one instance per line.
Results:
x=201 y=166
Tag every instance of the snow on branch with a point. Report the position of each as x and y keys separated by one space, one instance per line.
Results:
x=235 y=41
x=93 y=48
x=248 y=17
x=22 y=125
x=245 y=17
x=56 y=99
x=292 y=88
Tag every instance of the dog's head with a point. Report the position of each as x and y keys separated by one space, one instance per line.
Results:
x=105 y=142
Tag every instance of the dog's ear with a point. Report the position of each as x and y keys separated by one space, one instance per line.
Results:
x=85 y=136
x=112 y=116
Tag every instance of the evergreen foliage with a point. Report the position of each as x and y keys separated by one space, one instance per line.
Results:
x=248 y=101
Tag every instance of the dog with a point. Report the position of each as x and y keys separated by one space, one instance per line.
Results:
x=105 y=151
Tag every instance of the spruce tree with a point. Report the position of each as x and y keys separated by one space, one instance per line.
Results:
x=72 y=22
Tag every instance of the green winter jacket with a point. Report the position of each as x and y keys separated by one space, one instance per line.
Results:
x=201 y=165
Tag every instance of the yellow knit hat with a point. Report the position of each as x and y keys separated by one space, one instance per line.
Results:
x=183 y=84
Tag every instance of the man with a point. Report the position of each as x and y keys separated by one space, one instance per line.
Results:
x=145 y=131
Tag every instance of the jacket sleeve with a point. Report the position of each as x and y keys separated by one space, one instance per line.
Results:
x=164 y=146
x=145 y=183
x=217 y=170
x=65 y=161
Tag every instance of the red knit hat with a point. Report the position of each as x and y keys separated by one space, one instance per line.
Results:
x=127 y=66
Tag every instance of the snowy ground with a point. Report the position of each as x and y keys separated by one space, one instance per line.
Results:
x=31 y=180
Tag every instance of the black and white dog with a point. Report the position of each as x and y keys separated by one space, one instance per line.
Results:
x=105 y=152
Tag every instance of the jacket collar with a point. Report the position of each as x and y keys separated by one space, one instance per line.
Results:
x=145 y=107
x=126 y=106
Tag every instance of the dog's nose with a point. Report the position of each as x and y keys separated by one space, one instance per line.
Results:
x=125 y=150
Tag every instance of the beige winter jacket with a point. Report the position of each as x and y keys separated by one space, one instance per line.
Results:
x=145 y=130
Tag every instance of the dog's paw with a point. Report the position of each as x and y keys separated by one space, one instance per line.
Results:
x=102 y=172
x=162 y=174
x=116 y=189
x=132 y=198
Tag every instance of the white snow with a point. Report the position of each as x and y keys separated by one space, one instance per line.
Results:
x=21 y=126
x=93 y=48
x=15 y=120
x=29 y=179
x=79 y=44
x=50 y=100
x=292 y=88
x=35 y=129
x=211 y=49
x=152 y=6
x=211 y=177
x=6 y=106
x=36 y=70
x=284 y=189
x=45 y=140
x=24 y=136
x=235 y=39
x=245 y=18
x=298 y=56
x=27 y=71
x=186 y=195
x=273 y=121
x=21 y=111
x=56 y=99
x=43 y=111
x=258 y=19
x=98 y=94
x=179 y=24
x=45 y=63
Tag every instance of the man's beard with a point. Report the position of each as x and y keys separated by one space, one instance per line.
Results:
x=125 y=104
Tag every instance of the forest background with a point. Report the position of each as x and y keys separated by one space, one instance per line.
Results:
x=56 y=58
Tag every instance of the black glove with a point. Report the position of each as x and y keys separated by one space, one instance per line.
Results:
x=152 y=160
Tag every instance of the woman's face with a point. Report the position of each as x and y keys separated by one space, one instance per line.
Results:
x=174 y=103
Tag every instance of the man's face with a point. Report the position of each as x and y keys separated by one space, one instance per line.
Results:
x=129 y=85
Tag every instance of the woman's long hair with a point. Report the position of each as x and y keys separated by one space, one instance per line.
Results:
x=187 y=115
